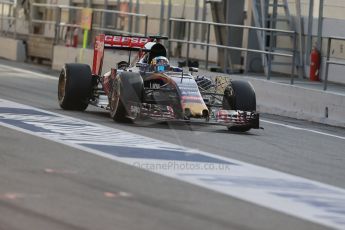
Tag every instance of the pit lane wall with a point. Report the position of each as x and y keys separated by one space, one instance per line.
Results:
x=12 y=49
x=298 y=102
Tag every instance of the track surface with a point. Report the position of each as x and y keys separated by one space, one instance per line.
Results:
x=46 y=185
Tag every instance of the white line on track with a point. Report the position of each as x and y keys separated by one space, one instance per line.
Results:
x=262 y=120
x=302 y=129
x=46 y=76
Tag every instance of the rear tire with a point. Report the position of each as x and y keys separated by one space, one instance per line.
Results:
x=239 y=95
x=75 y=85
x=127 y=87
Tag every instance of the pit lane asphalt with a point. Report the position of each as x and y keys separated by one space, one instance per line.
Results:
x=46 y=185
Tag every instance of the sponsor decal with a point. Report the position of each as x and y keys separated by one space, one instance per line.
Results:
x=124 y=41
x=310 y=200
x=155 y=86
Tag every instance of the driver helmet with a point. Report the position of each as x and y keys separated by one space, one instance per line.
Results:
x=159 y=64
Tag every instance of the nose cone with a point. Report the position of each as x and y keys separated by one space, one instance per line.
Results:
x=195 y=110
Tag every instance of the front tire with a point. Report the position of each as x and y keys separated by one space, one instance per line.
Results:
x=239 y=95
x=75 y=86
x=127 y=88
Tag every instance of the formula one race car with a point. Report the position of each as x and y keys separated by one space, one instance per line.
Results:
x=152 y=89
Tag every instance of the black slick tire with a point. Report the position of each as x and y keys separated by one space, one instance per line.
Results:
x=75 y=86
x=239 y=95
x=127 y=88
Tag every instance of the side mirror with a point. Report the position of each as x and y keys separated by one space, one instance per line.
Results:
x=176 y=69
x=193 y=69
x=141 y=65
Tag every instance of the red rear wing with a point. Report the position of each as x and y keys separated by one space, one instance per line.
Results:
x=125 y=42
x=114 y=42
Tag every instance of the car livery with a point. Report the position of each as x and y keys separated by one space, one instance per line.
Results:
x=149 y=90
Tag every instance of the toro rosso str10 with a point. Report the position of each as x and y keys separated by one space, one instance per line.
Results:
x=152 y=89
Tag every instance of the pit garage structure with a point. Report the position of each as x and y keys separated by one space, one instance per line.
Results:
x=19 y=20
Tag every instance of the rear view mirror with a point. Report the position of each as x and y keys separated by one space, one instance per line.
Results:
x=141 y=65
x=193 y=69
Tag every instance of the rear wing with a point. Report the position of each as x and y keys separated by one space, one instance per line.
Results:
x=130 y=43
x=125 y=42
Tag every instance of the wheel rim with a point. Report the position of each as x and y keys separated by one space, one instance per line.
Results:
x=115 y=98
x=62 y=86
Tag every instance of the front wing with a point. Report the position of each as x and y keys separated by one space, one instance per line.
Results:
x=162 y=113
